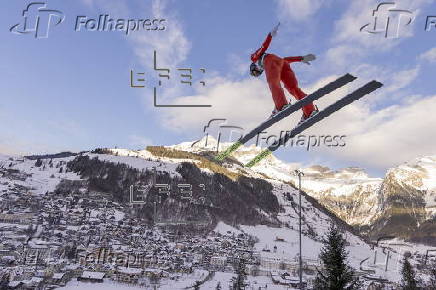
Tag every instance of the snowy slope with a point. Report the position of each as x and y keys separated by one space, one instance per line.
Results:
x=281 y=244
x=350 y=193
x=402 y=204
x=40 y=179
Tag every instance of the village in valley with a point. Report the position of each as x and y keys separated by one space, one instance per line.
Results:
x=52 y=238
x=67 y=222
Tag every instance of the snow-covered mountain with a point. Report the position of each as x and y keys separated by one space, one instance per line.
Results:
x=350 y=193
x=407 y=202
x=260 y=202
x=402 y=204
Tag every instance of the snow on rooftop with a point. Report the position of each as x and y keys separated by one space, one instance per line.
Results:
x=58 y=275
x=106 y=285
x=93 y=275
x=127 y=270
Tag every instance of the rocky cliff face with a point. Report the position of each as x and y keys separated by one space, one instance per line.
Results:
x=350 y=193
x=407 y=202
x=402 y=204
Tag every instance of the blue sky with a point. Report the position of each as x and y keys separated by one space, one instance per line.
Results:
x=71 y=90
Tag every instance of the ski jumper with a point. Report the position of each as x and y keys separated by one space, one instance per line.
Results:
x=278 y=69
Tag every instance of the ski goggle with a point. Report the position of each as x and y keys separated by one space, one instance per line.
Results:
x=255 y=70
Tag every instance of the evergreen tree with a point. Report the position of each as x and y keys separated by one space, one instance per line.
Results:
x=197 y=285
x=38 y=163
x=239 y=282
x=218 y=286
x=408 y=281
x=336 y=273
x=70 y=251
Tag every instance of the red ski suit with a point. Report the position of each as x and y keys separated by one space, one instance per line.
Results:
x=278 y=69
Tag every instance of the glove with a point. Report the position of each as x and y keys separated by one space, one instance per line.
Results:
x=274 y=31
x=308 y=57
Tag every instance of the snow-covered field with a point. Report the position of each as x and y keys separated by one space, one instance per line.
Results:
x=106 y=285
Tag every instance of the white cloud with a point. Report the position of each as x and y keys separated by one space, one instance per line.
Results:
x=397 y=134
x=342 y=54
x=349 y=41
x=243 y=103
x=380 y=138
x=396 y=81
x=402 y=79
x=429 y=55
x=298 y=9
x=171 y=44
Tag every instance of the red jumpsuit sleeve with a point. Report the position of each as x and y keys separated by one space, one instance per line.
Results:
x=290 y=59
x=255 y=56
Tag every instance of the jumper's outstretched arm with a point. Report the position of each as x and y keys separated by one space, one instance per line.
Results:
x=258 y=53
x=306 y=59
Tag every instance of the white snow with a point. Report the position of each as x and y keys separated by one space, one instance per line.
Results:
x=41 y=179
x=93 y=275
x=106 y=285
x=140 y=162
x=223 y=228
x=274 y=243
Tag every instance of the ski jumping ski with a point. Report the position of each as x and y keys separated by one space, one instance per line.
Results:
x=327 y=89
x=357 y=94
